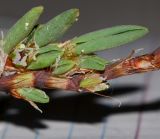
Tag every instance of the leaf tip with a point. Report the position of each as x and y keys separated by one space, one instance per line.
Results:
x=76 y=11
x=38 y=9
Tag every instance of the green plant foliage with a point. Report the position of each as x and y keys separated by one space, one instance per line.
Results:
x=21 y=29
x=55 y=28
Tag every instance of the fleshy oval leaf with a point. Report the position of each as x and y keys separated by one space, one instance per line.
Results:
x=44 y=60
x=48 y=48
x=92 y=62
x=56 y=27
x=106 y=32
x=21 y=29
x=33 y=94
x=116 y=40
x=63 y=67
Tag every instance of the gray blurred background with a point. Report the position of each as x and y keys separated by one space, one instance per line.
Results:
x=74 y=116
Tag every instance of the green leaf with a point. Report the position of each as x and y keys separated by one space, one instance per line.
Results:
x=44 y=60
x=56 y=27
x=64 y=66
x=106 y=32
x=96 y=41
x=48 y=48
x=21 y=28
x=29 y=39
x=90 y=82
x=92 y=62
x=33 y=94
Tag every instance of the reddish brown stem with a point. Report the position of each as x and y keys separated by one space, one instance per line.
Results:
x=128 y=66
x=44 y=79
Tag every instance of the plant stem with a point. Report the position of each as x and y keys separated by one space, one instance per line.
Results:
x=45 y=79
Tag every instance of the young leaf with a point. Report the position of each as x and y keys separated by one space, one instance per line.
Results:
x=115 y=40
x=33 y=94
x=56 y=27
x=44 y=60
x=93 y=83
x=30 y=95
x=92 y=62
x=48 y=48
x=90 y=82
x=63 y=67
x=22 y=28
